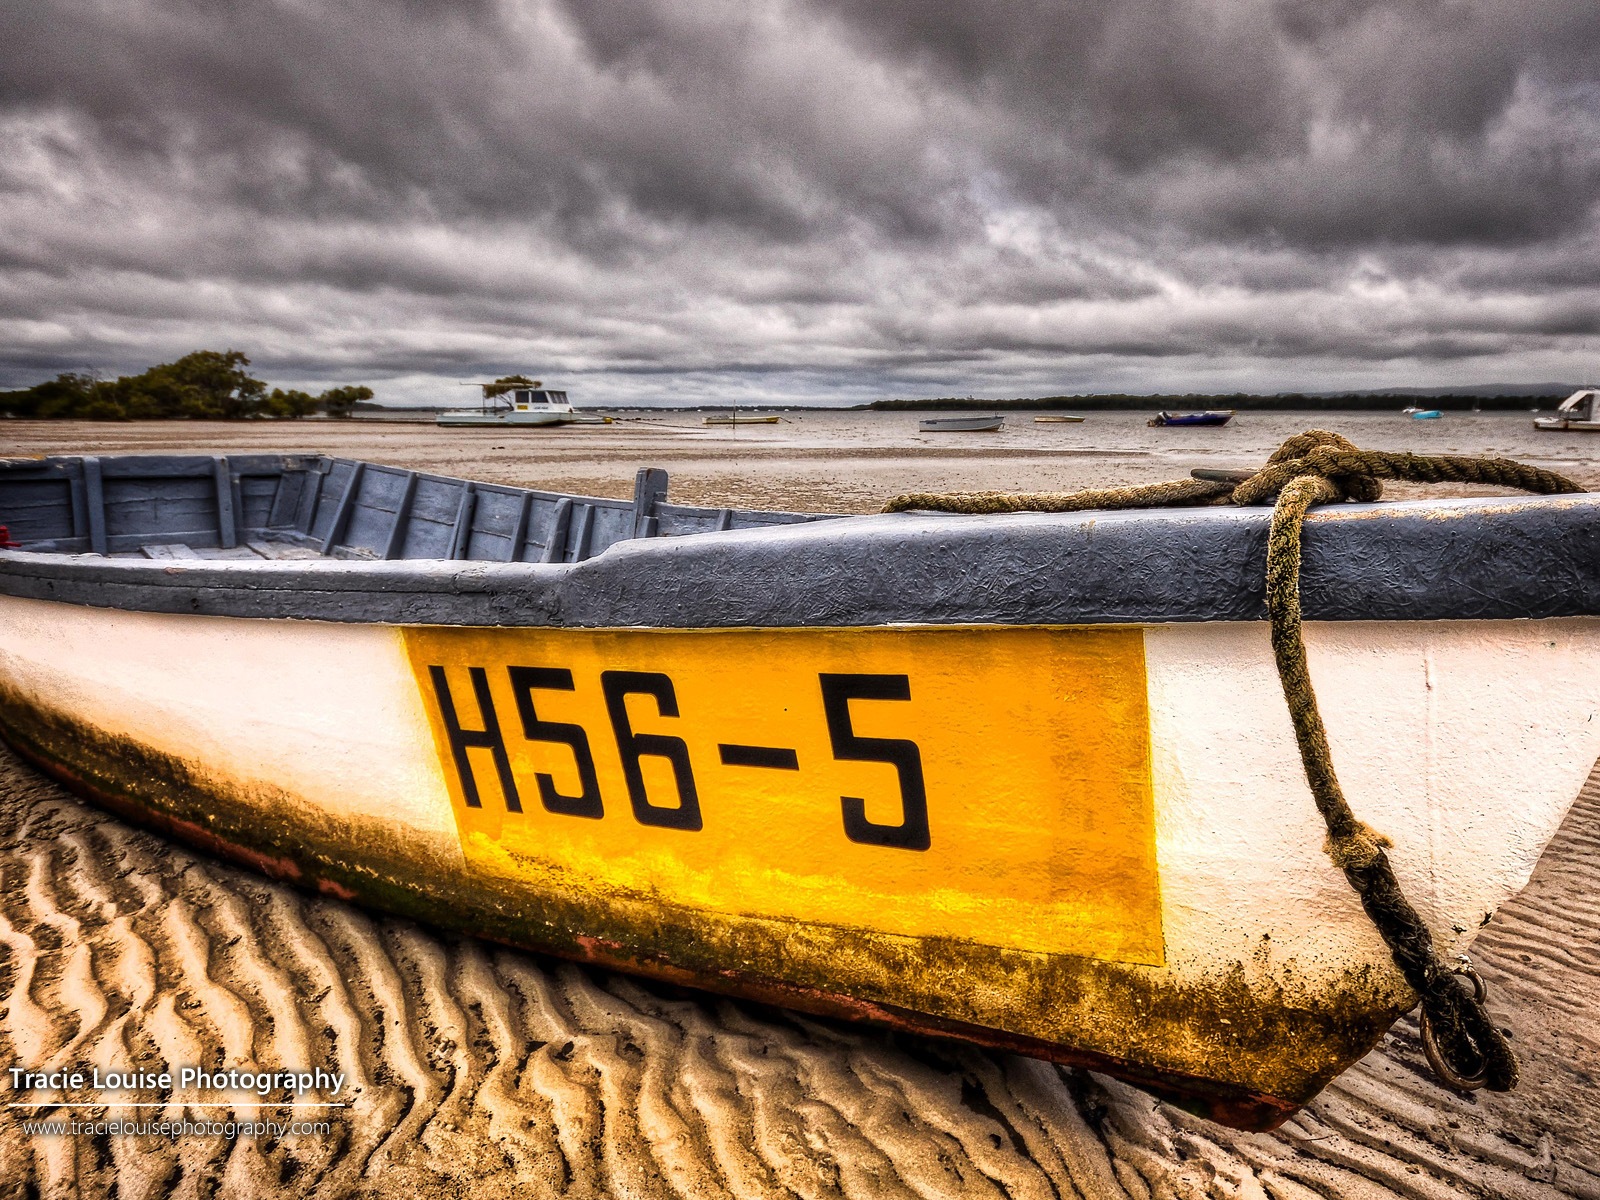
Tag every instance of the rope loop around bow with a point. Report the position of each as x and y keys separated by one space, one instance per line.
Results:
x=1464 y=1046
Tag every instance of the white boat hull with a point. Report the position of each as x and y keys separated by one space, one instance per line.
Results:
x=1026 y=780
x=508 y=418
x=961 y=424
x=1465 y=741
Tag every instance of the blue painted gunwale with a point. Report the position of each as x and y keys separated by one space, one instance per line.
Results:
x=412 y=548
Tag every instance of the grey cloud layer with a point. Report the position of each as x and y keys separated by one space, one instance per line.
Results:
x=841 y=197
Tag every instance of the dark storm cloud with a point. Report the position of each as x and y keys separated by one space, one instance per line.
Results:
x=1314 y=122
x=835 y=196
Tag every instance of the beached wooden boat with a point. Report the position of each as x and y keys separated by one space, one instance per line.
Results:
x=960 y=424
x=1215 y=416
x=1058 y=419
x=1024 y=780
x=1579 y=412
x=738 y=419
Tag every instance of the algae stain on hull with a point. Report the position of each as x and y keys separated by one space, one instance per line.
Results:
x=1232 y=1049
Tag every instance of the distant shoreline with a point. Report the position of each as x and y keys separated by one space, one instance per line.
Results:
x=1088 y=402
x=1343 y=402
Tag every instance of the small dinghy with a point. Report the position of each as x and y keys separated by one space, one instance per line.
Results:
x=1022 y=779
x=1058 y=419
x=1216 y=416
x=960 y=424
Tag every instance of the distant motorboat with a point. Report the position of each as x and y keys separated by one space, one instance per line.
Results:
x=518 y=400
x=960 y=424
x=1213 y=416
x=1058 y=419
x=1417 y=413
x=1579 y=412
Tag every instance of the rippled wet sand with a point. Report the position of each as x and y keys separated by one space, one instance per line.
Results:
x=475 y=1069
x=479 y=1070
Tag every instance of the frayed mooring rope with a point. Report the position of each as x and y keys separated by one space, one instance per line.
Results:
x=1319 y=467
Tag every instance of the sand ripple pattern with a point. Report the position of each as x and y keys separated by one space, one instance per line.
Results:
x=476 y=1068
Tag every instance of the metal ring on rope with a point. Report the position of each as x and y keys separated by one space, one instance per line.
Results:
x=1430 y=1042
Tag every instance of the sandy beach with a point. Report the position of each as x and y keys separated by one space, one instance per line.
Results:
x=479 y=1070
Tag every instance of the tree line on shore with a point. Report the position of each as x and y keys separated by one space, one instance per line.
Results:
x=207 y=385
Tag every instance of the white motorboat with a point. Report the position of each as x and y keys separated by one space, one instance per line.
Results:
x=1578 y=412
x=517 y=400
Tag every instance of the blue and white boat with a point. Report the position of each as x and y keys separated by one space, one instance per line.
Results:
x=1217 y=416
x=1026 y=780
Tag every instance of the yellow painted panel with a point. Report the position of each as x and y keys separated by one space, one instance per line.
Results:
x=984 y=784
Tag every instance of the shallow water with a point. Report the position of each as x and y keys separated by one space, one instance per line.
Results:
x=1248 y=438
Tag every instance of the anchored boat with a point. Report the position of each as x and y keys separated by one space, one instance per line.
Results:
x=518 y=400
x=1216 y=416
x=961 y=424
x=1578 y=412
x=1026 y=780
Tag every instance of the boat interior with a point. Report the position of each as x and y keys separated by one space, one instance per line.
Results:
x=275 y=506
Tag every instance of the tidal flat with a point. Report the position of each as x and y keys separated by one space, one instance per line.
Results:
x=820 y=461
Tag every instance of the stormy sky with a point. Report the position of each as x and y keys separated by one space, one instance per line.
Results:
x=836 y=200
